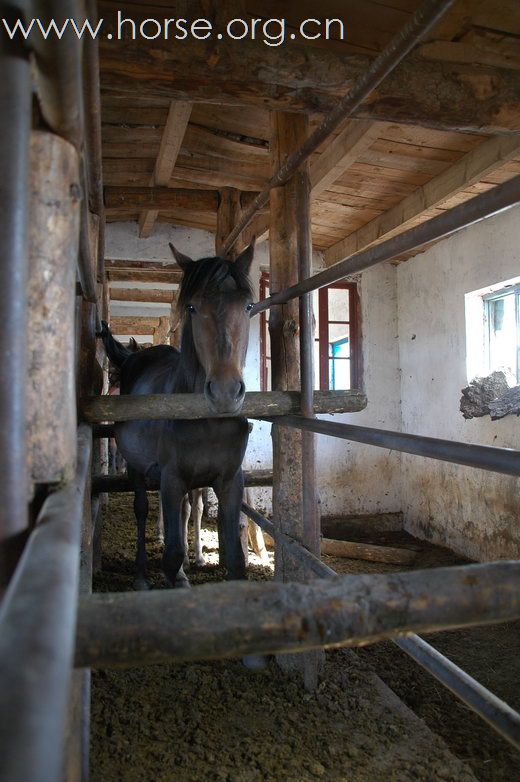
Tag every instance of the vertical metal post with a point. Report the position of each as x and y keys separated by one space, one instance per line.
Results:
x=15 y=123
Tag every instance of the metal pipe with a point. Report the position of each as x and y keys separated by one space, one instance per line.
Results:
x=15 y=125
x=296 y=550
x=37 y=627
x=500 y=198
x=493 y=710
x=485 y=457
x=422 y=21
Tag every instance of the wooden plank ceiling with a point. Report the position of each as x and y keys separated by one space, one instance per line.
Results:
x=182 y=120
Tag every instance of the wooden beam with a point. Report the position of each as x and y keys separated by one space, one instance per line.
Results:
x=129 y=275
x=474 y=166
x=117 y=264
x=356 y=550
x=161 y=334
x=346 y=148
x=257 y=404
x=171 y=141
x=161 y=198
x=145 y=295
x=157 y=627
x=455 y=96
x=228 y=214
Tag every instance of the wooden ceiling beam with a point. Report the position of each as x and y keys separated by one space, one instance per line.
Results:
x=453 y=96
x=472 y=167
x=129 y=275
x=142 y=295
x=161 y=198
x=171 y=142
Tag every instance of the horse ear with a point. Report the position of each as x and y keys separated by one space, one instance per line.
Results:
x=183 y=260
x=245 y=259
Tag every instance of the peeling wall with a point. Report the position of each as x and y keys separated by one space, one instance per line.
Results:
x=472 y=511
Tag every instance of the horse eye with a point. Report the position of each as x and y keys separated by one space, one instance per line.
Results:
x=191 y=309
x=249 y=307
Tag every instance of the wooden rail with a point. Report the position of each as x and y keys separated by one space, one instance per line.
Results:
x=257 y=404
x=247 y=618
x=109 y=484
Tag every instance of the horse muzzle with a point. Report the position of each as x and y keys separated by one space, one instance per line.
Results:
x=225 y=396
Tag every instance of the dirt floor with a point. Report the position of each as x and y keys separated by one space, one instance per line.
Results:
x=219 y=721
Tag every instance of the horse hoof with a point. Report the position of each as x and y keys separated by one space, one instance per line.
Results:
x=160 y=539
x=255 y=662
x=141 y=584
x=200 y=561
x=186 y=564
x=182 y=583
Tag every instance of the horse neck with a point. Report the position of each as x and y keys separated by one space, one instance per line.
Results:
x=190 y=376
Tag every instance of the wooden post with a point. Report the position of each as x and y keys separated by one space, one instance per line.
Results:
x=53 y=248
x=175 y=322
x=228 y=215
x=161 y=335
x=288 y=132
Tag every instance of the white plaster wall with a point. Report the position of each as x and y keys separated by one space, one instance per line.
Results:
x=357 y=478
x=472 y=511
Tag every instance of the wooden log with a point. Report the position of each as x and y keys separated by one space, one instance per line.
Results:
x=161 y=198
x=288 y=132
x=156 y=296
x=248 y=618
x=449 y=95
x=354 y=550
x=161 y=334
x=228 y=214
x=120 y=483
x=257 y=404
x=53 y=247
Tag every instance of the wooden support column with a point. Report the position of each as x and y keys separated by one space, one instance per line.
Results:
x=161 y=334
x=54 y=214
x=175 y=322
x=228 y=215
x=288 y=132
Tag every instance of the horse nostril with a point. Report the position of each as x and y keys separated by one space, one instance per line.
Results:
x=241 y=390
x=208 y=390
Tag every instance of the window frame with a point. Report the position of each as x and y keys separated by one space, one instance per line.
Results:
x=508 y=290
x=322 y=337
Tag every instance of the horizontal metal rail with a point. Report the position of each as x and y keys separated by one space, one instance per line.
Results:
x=485 y=205
x=484 y=457
x=37 y=626
x=422 y=21
x=111 y=484
x=192 y=406
x=493 y=710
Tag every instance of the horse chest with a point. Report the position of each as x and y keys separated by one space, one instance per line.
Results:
x=205 y=451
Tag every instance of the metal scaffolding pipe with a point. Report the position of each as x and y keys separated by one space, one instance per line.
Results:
x=484 y=457
x=485 y=205
x=422 y=21
x=493 y=710
x=37 y=626
x=15 y=124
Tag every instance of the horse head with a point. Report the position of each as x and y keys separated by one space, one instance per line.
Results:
x=215 y=299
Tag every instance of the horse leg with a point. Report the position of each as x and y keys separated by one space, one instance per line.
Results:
x=172 y=495
x=186 y=512
x=141 y=514
x=160 y=523
x=197 y=506
x=229 y=496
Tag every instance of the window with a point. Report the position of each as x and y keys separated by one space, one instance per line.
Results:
x=337 y=357
x=493 y=330
x=502 y=330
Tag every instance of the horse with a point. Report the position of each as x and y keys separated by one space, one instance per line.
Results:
x=215 y=300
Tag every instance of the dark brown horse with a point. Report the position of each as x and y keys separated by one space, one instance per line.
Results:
x=215 y=298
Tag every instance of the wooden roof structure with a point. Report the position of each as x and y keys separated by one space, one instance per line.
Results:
x=182 y=121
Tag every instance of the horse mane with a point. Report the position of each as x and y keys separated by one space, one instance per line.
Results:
x=209 y=276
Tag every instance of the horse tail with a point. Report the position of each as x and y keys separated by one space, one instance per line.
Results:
x=116 y=352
